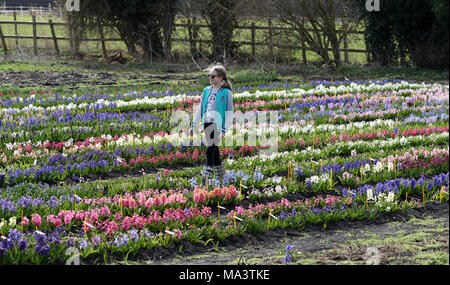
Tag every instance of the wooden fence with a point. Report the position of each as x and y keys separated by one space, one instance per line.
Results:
x=190 y=26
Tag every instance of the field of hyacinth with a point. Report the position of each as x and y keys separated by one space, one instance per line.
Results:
x=104 y=176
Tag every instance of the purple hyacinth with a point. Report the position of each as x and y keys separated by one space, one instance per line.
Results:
x=288 y=257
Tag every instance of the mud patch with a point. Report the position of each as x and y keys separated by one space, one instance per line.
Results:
x=73 y=80
x=49 y=79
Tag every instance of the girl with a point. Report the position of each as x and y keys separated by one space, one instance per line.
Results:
x=216 y=110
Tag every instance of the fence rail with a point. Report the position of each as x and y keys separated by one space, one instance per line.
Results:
x=189 y=26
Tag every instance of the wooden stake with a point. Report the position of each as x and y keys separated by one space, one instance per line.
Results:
x=121 y=205
x=268 y=224
x=331 y=178
x=406 y=198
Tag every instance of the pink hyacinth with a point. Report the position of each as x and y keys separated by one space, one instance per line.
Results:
x=157 y=201
x=330 y=200
x=199 y=196
x=68 y=219
x=206 y=211
x=149 y=203
x=240 y=210
x=36 y=219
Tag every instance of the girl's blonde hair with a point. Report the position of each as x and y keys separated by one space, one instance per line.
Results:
x=221 y=71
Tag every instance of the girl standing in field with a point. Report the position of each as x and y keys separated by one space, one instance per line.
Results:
x=215 y=111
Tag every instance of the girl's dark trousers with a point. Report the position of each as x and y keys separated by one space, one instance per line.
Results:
x=213 y=161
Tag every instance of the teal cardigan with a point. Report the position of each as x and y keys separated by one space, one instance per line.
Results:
x=222 y=104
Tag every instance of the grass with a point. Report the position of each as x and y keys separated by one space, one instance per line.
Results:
x=180 y=78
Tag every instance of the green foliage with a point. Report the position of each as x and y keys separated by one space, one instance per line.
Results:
x=221 y=19
x=408 y=28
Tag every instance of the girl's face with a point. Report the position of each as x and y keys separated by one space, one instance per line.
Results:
x=214 y=79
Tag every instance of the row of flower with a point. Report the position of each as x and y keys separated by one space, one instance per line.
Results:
x=116 y=124
x=60 y=166
x=35 y=103
x=237 y=133
x=163 y=142
x=337 y=109
x=340 y=104
x=63 y=130
x=350 y=171
x=99 y=232
x=304 y=178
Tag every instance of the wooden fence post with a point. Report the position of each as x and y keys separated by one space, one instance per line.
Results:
x=55 y=41
x=34 y=35
x=193 y=36
x=305 y=61
x=270 y=38
x=253 y=40
x=15 y=29
x=102 y=39
x=2 y=38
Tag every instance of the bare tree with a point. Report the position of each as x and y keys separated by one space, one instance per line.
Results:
x=221 y=18
x=320 y=24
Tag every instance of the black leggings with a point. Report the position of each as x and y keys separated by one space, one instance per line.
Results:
x=212 y=141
